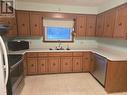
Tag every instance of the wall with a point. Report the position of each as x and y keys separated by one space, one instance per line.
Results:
x=55 y=8
x=79 y=43
x=68 y=9
x=111 y=4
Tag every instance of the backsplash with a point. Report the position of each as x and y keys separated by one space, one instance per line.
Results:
x=79 y=43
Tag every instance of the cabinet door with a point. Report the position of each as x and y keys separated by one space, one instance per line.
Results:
x=77 y=64
x=90 y=25
x=54 y=64
x=109 y=23
x=23 y=23
x=86 y=62
x=121 y=23
x=36 y=24
x=80 y=25
x=12 y=22
x=100 y=25
x=32 y=66
x=42 y=65
x=66 y=64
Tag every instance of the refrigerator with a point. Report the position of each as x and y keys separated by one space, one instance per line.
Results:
x=4 y=68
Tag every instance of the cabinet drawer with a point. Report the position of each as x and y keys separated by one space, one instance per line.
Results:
x=66 y=54
x=86 y=54
x=78 y=54
x=32 y=54
x=42 y=54
x=54 y=54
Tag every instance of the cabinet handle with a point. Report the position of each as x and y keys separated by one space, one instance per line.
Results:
x=42 y=64
x=54 y=64
x=80 y=26
x=32 y=65
x=66 y=63
x=107 y=25
x=23 y=24
x=35 y=25
x=77 y=63
x=120 y=24
x=91 y=27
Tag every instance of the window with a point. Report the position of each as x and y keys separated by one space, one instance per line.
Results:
x=58 y=30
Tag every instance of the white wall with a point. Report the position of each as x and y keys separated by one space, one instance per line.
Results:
x=111 y=4
x=67 y=9
x=55 y=8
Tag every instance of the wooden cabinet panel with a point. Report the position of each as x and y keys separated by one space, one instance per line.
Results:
x=12 y=22
x=36 y=24
x=42 y=54
x=109 y=22
x=32 y=66
x=23 y=23
x=100 y=25
x=32 y=55
x=86 y=62
x=42 y=65
x=77 y=64
x=25 y=65
x=80 y=25
x=121 y=23
x=66 y=64
x=54 y=64
x=78 y=54
x=90 y=25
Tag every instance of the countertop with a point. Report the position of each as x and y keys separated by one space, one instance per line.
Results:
x=110 y=56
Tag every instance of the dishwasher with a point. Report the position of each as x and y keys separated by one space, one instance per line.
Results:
x=100 y=67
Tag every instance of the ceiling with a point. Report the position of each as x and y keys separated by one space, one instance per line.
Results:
x=90 y=3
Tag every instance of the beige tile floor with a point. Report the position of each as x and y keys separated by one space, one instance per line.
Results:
x=64 y=84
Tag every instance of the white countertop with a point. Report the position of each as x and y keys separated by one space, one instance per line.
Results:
x=106 y=54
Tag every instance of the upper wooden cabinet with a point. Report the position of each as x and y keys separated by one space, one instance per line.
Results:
x=100 y=25
x=23 y=23
x=80 y=25
x=90 y=25
x=36 y=24
x=109 y=22
x=121 y=23
x=12 y=22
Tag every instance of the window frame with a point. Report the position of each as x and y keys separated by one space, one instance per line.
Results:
x=44 y=38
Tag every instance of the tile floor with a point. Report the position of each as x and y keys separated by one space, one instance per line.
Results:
x=64 y=84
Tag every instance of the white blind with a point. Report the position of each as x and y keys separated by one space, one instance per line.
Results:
x=58 y=23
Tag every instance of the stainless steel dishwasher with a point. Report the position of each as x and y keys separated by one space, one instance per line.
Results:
x=100 y=66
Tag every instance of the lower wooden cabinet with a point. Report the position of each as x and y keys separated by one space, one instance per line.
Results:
x=66 y=64
x=77 y=64
x=32 y=66
x=54 y=64
x=42 y=65
x=86 y=62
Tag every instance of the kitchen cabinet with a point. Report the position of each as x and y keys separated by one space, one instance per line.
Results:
x=100 y=25
x=116 y=78
x=80 y=26
x=25 y=64
x=90 y=25
x=12 y=22
x=66 y=64
x=54 y=64
x=36 y=24
x=109 y=22
x=42 y=65
x=86 y=65
x=23 y=22
x=77 y=64
x=121 y=23
x=32 y=66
